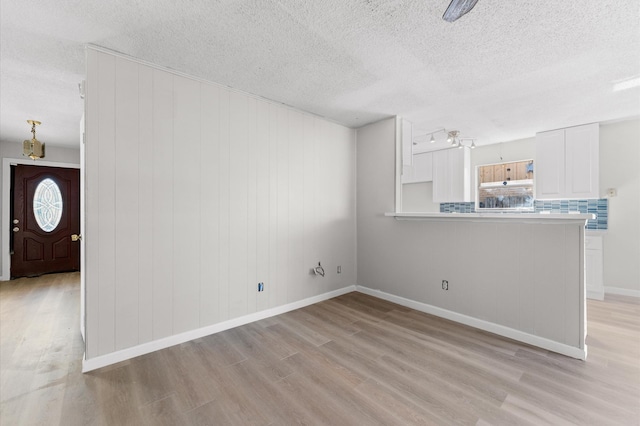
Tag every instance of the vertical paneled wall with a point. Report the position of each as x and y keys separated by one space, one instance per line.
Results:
x=194 y=194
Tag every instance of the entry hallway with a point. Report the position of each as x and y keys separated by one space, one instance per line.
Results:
x=352 y=360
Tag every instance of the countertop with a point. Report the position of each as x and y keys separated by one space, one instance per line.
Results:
x=495 y=217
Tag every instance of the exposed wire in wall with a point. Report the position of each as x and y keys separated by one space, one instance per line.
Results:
x=319 y=270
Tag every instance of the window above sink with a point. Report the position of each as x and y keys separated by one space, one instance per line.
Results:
x=505 y=186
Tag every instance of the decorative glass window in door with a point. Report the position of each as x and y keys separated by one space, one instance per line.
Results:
x=47 y=205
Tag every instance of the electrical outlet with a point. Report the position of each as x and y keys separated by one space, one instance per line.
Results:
x=445 y=285
x=339 y=269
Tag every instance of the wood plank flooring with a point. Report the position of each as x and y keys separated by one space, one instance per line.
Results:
x=352 y=360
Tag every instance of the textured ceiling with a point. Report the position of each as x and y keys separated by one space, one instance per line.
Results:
x=502 y=72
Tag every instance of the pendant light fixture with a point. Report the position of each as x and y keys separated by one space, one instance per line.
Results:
x=33 y=148
x=431 y=139
x=453 y=137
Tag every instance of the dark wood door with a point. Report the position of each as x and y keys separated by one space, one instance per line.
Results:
x=46 y=213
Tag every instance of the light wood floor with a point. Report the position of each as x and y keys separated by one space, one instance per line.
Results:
x=350 y=360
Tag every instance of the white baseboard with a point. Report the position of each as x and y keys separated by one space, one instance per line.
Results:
x=595 y=294
x=621 y=291
x=501 y=330
x=145 y=348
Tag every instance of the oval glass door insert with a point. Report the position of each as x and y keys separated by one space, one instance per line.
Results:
x=47 y=205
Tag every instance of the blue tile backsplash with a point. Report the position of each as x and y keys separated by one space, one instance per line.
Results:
x=457 y=207
x=598 y=207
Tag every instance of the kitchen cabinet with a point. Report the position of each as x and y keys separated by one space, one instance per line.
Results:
x=451 y=175
x=567 y=163
x=407 y=142
x=486 y=174
x=522 y=172
x=422 y=169
x=593 y=266
x=498 y=173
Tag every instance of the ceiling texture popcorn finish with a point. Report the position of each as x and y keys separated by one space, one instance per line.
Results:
x=503 y=71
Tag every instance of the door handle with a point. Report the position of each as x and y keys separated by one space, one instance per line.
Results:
x=16 y=229
x=76 y=237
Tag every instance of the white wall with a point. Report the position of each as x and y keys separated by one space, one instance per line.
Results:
x=54 y=154
x=620 y=169
x=520 y=276
x=195 y=193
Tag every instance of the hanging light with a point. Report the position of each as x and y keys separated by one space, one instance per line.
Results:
x=453 y=137
x=430 y=134
x=462 y=145
x=33 y=148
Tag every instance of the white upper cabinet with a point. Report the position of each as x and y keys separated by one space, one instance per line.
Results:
x=416 y=166
x=422 y=169
x=406 y=138
x=582 y=145
x=407 y=143
x=451 y=175
x=567 y=163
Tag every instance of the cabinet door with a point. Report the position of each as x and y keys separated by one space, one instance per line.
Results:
x=550 y=169
x=510 y=171
x=486 y=174
x=593 y=267
x=498 y=173
x=451 y=175
x=521 y=170
x=407 y=143
x=441 y=184
x=407 y=174
x=423 y=167
x=581 y=159
x=459 y=175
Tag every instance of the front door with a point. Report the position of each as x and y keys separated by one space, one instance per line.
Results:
x=45 y=215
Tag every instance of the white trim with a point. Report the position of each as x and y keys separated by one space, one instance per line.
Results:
x=145 y=348
x=621 y=291
x=501 y=330
x=6 y=214
x=595 y=294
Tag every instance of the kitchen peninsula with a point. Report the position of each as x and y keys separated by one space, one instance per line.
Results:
x=517 y=274
x=520 y=275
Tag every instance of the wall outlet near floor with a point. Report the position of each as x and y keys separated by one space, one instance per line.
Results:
x=445 y=285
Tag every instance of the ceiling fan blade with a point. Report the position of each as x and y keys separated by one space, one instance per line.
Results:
x=457 y=8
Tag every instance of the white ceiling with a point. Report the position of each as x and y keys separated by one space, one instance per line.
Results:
x=502 y=72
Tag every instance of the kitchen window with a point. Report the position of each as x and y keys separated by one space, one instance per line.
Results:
x=505 y=186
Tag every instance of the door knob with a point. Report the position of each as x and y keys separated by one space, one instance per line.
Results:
x=76 y=237
x=16 y=221
x=16 y=229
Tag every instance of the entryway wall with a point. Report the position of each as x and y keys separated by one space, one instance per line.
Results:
x=55 y=156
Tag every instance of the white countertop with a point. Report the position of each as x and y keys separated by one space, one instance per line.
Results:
x=496 y=217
